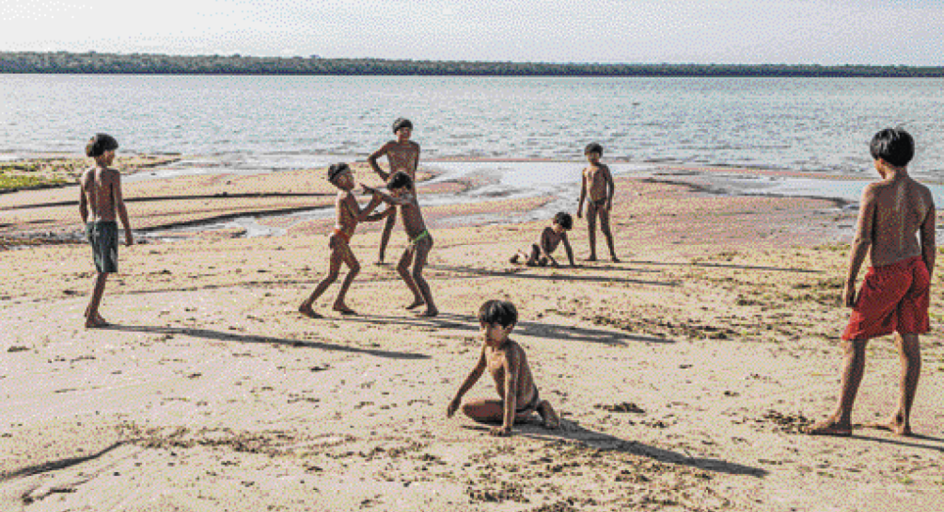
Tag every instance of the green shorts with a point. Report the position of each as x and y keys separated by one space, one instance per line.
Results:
x=103 y=236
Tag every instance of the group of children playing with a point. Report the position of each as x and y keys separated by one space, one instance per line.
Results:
x=896 y=228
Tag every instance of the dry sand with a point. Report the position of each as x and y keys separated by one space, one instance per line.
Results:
x=683 y=373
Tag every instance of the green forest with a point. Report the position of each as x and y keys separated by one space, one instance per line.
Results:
x=137 y=63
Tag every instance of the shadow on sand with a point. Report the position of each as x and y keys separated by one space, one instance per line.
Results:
x=249 y=338
x=573 y=432
x=523 y=273
x=535 y=329
x=733 y=267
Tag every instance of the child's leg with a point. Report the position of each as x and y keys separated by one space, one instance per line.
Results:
x=853 y=367
x=534 y=256
x=605 y=228
x=419 y=262
x=551 y=420
x=351 y=261
x=489 y=411
x=92 y=317
x=909 y=352
x=334 y=266
x=518 y=257
x=403 y=268
x=385 y=237
x=592 y=229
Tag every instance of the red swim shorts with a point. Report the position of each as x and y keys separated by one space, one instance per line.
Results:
x=893 y=298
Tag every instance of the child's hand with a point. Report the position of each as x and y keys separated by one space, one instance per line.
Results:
x=580 y=213
x=849 y=295
x=129 y=238
x=609 y=205
x=501 y=431
x=453 y=406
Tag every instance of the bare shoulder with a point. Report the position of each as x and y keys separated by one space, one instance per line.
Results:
x=414 y=145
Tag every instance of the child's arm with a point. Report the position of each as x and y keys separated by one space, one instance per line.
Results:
x=928 y=249
x=382 y=215
x=83 y=201
x=364 y=214
x=583 y=194
x=568 y=248
x=860 y=244
x=387 y=198
x=610 y=187
x=470 y=381
x=545 y=244
x=122 y=210
x=372 y=160
x=512 y=368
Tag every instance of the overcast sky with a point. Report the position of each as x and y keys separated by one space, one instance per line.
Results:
x=629 y=31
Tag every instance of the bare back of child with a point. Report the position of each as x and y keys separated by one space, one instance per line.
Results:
x=541 y=253
x=508 y=365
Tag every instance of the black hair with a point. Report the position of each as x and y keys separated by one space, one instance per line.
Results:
x=499 y=312
x=99 y=144
x=399 y=179
x=564 y=219
x=894 y=145
x=335 y=169
x=593 y=147
x=402 y=122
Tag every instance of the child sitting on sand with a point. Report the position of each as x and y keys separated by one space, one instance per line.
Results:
x=400 y=186
x=541 y=253
x=896 y=229
x=508 y=365
x=349 y=214
x=598 y=184
x=100 y=191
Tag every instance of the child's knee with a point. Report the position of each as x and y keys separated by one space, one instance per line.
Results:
x=355 y=268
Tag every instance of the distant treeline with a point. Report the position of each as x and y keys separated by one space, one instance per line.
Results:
x=136 y=63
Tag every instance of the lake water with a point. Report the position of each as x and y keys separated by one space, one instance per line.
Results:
x=817 y=125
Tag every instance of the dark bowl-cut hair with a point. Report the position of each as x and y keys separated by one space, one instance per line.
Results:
x=336 y=169
x=402 y=122
x=894 y=145
x=99 y=144
x=593 y=147
x=499 y=312
x=564 y=219
x=399 y=179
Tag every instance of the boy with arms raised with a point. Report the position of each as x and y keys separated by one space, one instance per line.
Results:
x=400 y=186
x=896 y=229
x=507 y=363
x=598 y=184
x=541 y=253
x=349 y=214
x=100 y=195
x=403 y=155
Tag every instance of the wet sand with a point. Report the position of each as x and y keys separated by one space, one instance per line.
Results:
x=683 y=374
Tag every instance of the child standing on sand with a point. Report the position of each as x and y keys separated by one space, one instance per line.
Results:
x=403 y=155
x=598 y=184
x=400 y=186
x=100 y=191
x=507 y=363
x=896 y=229
x=349 y=214
x=541 y=253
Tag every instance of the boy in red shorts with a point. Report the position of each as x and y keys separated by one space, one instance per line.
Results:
x=896 y=229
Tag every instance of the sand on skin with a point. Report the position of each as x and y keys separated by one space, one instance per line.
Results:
x=682 y=373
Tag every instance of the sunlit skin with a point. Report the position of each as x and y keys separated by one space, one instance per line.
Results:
x=402 y=155
x=542 y=253
x=100 y=199
x=896 y=222
x=505 y=360
x=348 y=215
x=597 y=183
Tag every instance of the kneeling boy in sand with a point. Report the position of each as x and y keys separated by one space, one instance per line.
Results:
x=894 y=214
x=598 y=184
x=508 y=365
x=400 y=186
x=349 y=214
x=541 y=253
x=100 y=191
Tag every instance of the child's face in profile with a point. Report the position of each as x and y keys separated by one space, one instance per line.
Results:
x=345 y=180
x=557 y=227
x=593 y=157
x=108 y=156
x=404 y=133
x=398 y=192
x=495 y=334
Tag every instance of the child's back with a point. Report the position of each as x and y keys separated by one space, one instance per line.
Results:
x=902 y=206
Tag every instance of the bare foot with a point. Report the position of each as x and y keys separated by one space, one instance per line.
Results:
x=591 y=258
x=514 y=259
x=344 y=310
x=380 y=263
x=430 y=312
x=305 y=310
x=416 y=303
x=829 y=427
x=96 y=323
x=551 y=420
x=616 y=260
x=892 y=425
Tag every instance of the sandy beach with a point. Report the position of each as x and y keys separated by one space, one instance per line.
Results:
x=683 y=374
